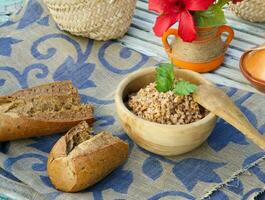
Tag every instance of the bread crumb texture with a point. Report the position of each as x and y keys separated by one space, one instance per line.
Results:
x=78 y=134
x=54 y=101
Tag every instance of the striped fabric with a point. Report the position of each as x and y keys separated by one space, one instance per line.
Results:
x=8 y=7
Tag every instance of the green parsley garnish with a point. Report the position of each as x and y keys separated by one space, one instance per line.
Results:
x=165 y=81
x=164 y=77
x=184 y=88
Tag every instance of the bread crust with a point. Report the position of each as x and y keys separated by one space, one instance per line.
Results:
x=13 y=127
x=87 y=163
x=18 y=125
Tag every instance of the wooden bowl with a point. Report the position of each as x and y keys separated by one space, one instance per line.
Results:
x=167 y=140
x=252 y=66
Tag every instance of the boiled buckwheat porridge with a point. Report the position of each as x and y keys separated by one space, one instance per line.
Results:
x=165 y=108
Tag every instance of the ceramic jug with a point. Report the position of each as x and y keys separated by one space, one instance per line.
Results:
x=204 y=54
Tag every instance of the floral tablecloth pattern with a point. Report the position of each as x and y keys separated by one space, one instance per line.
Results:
x=34 y=51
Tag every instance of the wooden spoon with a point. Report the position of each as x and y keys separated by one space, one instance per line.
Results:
x=216 y=101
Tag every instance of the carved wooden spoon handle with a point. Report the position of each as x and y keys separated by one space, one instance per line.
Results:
x=216 y=101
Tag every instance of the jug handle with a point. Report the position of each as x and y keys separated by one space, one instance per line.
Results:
x=170 y=31
x=230 y=32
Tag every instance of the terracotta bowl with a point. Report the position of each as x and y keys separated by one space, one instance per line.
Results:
x=252 y=65
x=167 y=140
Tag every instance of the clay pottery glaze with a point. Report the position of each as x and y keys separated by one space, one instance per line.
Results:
x=167 y=140
x=252 y=66
x=204 y=54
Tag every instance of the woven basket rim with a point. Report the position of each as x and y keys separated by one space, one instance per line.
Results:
x=73 y=3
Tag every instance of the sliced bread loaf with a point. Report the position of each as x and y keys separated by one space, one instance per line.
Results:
x=42 y=110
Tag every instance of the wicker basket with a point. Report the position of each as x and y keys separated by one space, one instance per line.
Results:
x=252 y=10
x=95 y=19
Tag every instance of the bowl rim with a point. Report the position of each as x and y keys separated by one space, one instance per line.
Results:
x=119 y=101
x=247 y=74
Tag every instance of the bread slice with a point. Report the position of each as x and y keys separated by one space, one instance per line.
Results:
x=79 y=159
x=55 y=88
x=42 y=110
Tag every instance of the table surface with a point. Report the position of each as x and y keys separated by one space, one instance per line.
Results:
x=141 y=38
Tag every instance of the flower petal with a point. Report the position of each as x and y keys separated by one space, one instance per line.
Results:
x=187 y=29
x=157 y=5
x=197 y=4
x=163 y=22
x=164 y=6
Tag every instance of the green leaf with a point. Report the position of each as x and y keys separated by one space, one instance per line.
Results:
x=164 y=77
x=214 y=16
x=184 y=88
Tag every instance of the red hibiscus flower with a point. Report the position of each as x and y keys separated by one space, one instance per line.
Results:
x=172 y=11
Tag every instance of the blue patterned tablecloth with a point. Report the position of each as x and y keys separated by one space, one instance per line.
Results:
x=34 y=51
